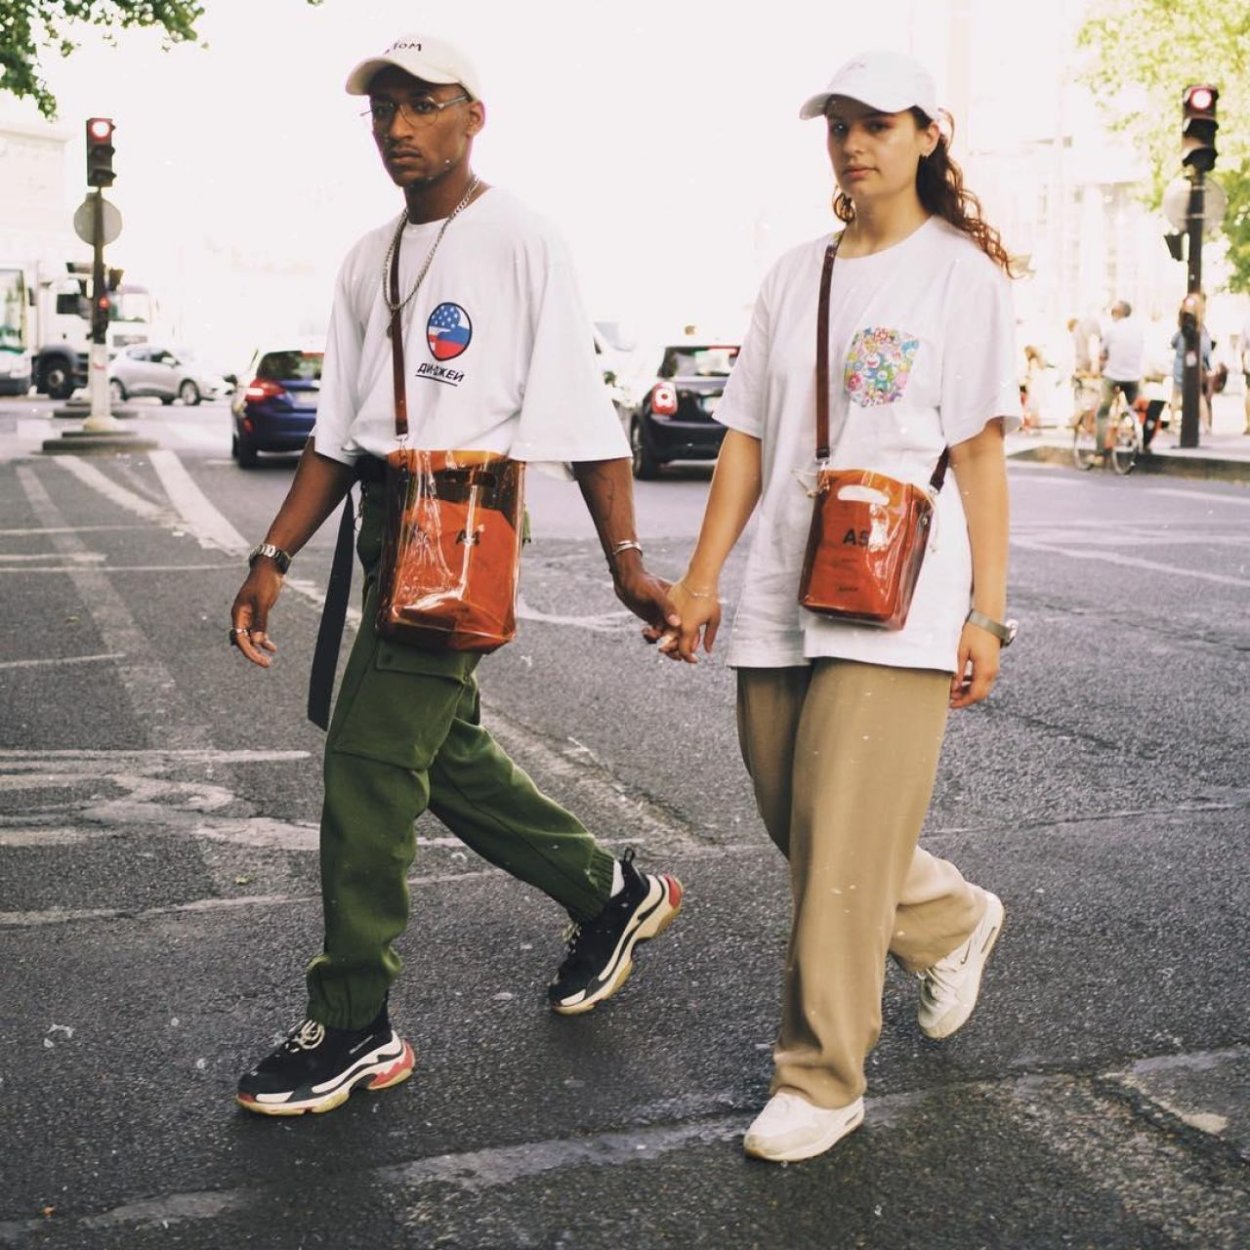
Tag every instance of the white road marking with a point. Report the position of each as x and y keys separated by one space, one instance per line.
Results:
x=1131 y=562
x=131 y=568
x=89 y=475
x=63 y=660
x=67 y=529
x=149 y=686
x=1199 y=497
x=155 y=755
x=208 y=526
x=74 y=557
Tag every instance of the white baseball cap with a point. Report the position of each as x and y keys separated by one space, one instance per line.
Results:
x=431 y=60
x=888 y=81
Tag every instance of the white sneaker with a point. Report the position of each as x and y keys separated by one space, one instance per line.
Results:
x=791 y=1128
x=949 y=989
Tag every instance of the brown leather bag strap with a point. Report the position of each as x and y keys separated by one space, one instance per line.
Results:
x=822 y=372
x=822 y=355
x=397 y=347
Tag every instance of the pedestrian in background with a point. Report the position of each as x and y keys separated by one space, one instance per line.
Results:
x=1121 y=360
x=1031 y=390
x=1244 y=349
x=406 y=733
x=841 y=725
x=1192 y=309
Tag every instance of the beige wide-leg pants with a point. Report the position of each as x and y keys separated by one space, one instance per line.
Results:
x=843 y=758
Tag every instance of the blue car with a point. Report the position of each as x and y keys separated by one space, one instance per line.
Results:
x=275 y=404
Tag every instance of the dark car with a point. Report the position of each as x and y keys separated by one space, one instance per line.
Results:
x=674 y=418
x=275 y=405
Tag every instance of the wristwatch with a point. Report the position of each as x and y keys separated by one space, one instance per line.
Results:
x=1004 y=631
x=281 y=558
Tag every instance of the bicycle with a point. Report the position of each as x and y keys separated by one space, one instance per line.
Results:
x=1124 y=435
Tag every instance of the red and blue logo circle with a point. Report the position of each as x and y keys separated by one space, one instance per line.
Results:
x=448 y=331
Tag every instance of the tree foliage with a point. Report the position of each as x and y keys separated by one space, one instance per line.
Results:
x=1141 y=55
x=31 y=27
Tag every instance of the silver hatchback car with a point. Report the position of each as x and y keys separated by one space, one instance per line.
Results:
x=147 y=369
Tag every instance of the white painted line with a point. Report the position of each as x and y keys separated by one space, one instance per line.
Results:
x=208 y=526
x=74 y=557
x=158 y=708
x=154 y=755
x=67 y=529
x=1199 y=496
x=64 y=660
x=89 y=475
x=132 y=568
x=1130 y=562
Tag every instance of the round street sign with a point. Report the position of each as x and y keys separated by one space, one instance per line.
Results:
x=82 y=221
x=1176 y=205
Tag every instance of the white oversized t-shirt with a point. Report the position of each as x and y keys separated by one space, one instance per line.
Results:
x=921 y=356
x=498 y=347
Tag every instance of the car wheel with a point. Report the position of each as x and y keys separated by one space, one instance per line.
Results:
x=58 y=381
x=244 y=453
x=189 y=393
x=646 y=466
x=117 y=392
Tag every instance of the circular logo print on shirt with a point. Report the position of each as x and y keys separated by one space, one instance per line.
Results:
x=448 y=331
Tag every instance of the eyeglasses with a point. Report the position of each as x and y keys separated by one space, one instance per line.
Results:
x=417 y=113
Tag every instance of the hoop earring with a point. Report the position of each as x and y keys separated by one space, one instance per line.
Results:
x=844 y=207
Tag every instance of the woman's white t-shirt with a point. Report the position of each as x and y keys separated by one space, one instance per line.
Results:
x=498 y=347
x=921 y=356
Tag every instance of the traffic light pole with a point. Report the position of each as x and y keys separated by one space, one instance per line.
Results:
x=1191 y=326
x=100 y=419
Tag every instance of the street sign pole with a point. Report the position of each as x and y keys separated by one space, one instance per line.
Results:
x=1191 y=326
x=101 y=419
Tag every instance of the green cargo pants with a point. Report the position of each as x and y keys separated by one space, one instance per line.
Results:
x=406 y=734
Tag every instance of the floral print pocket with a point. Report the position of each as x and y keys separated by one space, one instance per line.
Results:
x=878 y=364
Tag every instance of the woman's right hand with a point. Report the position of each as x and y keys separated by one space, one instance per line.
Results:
x=699 y=609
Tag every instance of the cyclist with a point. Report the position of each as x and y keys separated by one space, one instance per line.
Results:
x=1121 y=356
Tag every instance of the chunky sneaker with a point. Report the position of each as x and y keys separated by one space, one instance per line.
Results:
x=791 y=1128
x=317 y=1068
x=600 y=952
x=948 y=990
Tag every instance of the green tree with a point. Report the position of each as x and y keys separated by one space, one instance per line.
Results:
x=31 y=27
x=1140 y=56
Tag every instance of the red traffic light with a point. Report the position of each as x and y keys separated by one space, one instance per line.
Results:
x=100 y=151
x=1198 y=127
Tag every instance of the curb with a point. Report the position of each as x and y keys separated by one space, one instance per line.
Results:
x=1159 y=462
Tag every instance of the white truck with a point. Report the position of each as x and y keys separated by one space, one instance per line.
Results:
x=45 y=325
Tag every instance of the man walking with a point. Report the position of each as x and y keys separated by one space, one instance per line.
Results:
x=1123 y=351
x=517 y=376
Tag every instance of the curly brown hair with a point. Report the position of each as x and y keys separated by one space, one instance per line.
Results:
x=940 y=186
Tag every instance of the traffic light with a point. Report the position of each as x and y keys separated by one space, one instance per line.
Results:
x=100 y=151
x=1199 y=127
x=100 y=318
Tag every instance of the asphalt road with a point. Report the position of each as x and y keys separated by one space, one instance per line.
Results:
x=158 y=878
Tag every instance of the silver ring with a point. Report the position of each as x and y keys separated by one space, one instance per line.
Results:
x=241 y=630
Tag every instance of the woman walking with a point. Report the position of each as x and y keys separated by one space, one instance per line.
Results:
x=841 y=725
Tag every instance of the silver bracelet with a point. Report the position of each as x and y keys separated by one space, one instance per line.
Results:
x=626 y=544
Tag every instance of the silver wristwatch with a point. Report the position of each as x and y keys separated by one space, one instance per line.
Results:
x=281 y=558
x=1004 y=631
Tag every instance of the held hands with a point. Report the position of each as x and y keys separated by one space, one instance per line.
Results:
x=698 y=612
x=249 y=613
x=647 y=597
x=976 y=668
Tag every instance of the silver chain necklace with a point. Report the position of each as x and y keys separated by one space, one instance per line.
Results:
x=395 y=309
